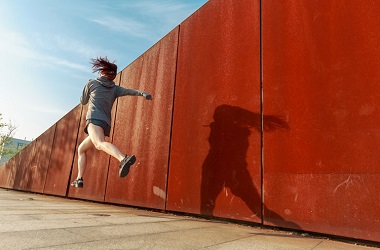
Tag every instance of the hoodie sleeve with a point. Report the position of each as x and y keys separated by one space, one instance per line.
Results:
x=85 y=94
x=120 y=91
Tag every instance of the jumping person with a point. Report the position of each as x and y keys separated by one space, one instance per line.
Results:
x=101 y=94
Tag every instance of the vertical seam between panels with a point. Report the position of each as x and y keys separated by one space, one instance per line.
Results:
x=262 y=112
x=51 y=152
x=113 y=133
x=76 y=143
x=172 y=119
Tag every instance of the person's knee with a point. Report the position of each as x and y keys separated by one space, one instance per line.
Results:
x=98 y=145
x=81 y=149
x=84 y=146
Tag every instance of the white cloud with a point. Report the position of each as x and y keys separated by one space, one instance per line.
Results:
x=158 y=7
x=65 y=63
x=127 y=25
x=59 y=43
x=14 y=45
x=149 y=20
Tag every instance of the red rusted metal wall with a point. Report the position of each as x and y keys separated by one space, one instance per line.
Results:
x=22 y=166
x=62 y=154
x=33 y=163
x=27 y=170
x=8 y=172
x=143 y=127
x=199 y=143
x=215 y=157
x=321 y=74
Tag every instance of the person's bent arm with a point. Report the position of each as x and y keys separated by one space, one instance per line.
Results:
x=85 y=94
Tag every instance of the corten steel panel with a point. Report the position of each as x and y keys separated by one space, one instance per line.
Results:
x=62 y=155
x=4 y=172
x=8 y=173
x=33 y=163
x=95 y=175
x=23 y=166
x=215 y=153
x=143 y=127
x=321 y=74
x=337 y=204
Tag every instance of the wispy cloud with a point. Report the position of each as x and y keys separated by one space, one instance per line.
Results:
x=124 y=24
x=150 y=19
x=14 y=45
x=157 y=7
x=65 y=63
x=61 y=43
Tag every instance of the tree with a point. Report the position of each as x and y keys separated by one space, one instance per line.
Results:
x=6 y=132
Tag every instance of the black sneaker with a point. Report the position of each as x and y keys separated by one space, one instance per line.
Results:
x=78 y=183
x=125 y=164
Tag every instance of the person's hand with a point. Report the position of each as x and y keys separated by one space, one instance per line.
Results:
x=147 y=96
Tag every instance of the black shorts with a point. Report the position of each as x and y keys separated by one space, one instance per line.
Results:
x=106 y=128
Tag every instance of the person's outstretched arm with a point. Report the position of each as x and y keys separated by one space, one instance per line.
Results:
x=124 y=91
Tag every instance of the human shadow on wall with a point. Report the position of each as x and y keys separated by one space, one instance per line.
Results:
x=226 y=165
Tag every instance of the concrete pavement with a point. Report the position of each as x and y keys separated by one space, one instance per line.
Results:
x=32 y=221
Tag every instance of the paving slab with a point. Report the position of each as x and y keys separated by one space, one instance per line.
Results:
x=35 y=221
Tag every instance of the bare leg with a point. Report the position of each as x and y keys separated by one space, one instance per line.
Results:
x=96 y=134
x=82 y=149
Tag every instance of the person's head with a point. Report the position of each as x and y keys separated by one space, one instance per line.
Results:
x=105 y=67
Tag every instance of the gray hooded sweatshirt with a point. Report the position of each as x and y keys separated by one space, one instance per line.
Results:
x=101 y=94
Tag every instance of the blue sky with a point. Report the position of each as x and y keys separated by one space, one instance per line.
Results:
x=46 y=47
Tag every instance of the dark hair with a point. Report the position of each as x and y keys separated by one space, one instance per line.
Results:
x=104 y=66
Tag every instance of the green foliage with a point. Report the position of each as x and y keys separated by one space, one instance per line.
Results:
x=6 y=132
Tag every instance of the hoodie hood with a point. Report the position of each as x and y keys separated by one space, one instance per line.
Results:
x=105 y=82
